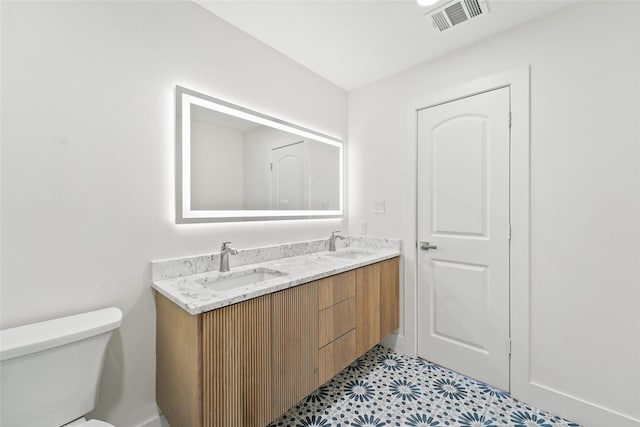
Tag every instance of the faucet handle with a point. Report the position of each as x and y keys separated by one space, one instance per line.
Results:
x=224 y=246
x=333 y=233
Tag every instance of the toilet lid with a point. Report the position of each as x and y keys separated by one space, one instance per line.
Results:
x=95 y=423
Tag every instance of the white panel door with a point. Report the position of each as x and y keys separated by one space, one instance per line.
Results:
x=463 y=212
x=289 y=172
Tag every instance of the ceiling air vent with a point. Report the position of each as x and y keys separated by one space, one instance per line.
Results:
x=455 y=12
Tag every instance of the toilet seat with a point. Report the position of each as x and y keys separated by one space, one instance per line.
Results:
x=82 y=422
x=95 y=423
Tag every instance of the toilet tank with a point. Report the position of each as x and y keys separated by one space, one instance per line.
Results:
x=50 y=371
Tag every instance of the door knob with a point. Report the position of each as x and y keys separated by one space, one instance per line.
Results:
x=425 y=246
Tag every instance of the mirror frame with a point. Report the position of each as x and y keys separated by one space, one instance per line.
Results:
x=184 y=98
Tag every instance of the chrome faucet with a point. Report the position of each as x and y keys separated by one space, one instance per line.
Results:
x=225 y=251
x=332 y=240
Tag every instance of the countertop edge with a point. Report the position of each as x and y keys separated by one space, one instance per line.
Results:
x=340 y=266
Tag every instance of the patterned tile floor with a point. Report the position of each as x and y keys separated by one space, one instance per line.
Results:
x=384 y=388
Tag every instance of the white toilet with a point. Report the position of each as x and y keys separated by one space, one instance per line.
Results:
x=50 y=371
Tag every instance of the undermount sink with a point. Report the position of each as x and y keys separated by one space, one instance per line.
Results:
x=349 y=253
x=235 y=279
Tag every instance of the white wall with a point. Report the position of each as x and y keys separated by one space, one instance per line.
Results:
x=324 y=176
x=217 y=167
x=87 y=162
x=585 y=200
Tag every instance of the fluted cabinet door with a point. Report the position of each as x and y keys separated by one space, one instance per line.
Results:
x=295 y=345
x=178 y=364
x=237 y=364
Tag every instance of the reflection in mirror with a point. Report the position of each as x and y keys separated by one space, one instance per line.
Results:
x=235 y=164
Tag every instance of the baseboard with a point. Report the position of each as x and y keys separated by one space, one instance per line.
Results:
x=587 y=414
x=400 y=344
x=157 y=421
x=583 y=412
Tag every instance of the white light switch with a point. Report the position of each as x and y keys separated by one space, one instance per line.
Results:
x=378 y=207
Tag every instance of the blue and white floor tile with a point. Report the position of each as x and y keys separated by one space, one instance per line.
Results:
x=384 y=388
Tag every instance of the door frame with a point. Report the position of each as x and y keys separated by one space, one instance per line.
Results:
x=518 y=80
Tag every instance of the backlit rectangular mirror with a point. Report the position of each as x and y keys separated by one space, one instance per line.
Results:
x=235 y=164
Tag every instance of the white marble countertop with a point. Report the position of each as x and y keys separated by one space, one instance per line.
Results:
x=196 y=294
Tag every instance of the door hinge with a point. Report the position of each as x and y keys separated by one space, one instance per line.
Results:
x=509 y=345
x=509 y=234
x=509 y=120
x=271 y=167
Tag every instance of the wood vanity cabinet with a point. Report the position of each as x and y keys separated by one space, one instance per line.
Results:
x=336 y=324
x=377 y=303
x=246 y=364
x=214 y=369
x=294 y=346
x=389 y=296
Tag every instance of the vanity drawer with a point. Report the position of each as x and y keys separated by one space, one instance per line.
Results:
x=336 y=356
x=335 y=289
x=336 y=320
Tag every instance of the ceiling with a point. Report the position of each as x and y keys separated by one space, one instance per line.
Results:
x=353 y=43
